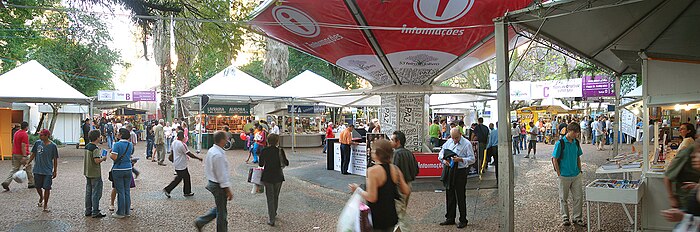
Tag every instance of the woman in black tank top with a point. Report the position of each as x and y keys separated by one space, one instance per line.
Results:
x=382 y=182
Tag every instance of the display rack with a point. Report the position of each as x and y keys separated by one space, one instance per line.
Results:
x=614 y=191
x=235 y=123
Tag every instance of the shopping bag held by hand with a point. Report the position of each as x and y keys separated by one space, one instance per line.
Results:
x=20 y=176
x=349 y=219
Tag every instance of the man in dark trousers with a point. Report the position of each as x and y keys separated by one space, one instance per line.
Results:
x=345 y=143
x=86 y=129
x=482 y=136
x=456 y=192
x=180 y=157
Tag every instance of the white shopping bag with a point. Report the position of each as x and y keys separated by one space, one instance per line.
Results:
x=256 y=176
x=349 y=220
x=20 y=176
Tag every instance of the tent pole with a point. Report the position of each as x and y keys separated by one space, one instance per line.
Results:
x=616 y=133
x=199 y=116
x=294 y=127
x=505 y=173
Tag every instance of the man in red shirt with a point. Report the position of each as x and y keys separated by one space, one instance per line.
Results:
x=20 y=151
x=329 y=135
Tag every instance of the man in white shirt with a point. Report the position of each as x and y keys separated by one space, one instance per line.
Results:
x=456 y=191
x=180 y=154
x=599 y=128
x=168 y=130
x=275 y=129
x=216 y=170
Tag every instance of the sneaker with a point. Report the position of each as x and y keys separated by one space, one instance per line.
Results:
x=30 y=186
x=527 y=156
x=6 y=186
x=167 y=194
x=198 y=226
x=99 y=215
x=566 y=223
x=117 y=216
x=189 y=194
x=580 y=223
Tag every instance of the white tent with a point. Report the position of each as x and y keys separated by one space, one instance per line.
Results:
x=232 y=83
x=440 y=95
x=307 y=84
x=31 y=82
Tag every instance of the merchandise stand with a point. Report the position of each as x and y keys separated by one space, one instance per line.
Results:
x=624 y=192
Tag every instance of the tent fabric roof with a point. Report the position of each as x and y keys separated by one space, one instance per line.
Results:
x=31 y=82
x=615 y=31
x=233 y=83
x=307 y=84
x=440 y=95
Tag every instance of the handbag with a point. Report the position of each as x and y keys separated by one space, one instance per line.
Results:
x=109 y=176
x=282 y=159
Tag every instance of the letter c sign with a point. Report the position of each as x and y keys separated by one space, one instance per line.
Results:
x=545 y=91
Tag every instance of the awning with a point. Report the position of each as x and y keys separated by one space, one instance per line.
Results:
x=611 y=33
x=31 y=82
x=307 y=84
x=232 y=84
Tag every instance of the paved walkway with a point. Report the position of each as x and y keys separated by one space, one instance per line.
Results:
x=311 y=198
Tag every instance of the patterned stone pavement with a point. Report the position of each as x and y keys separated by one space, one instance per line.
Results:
x=306 y=204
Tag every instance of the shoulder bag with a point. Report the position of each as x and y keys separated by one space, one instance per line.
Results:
x=109 y=177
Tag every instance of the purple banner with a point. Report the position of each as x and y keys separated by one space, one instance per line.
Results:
x=144 y=95
x=598 y=86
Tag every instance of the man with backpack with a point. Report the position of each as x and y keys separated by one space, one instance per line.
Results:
x=566 y=159
x=109 y=133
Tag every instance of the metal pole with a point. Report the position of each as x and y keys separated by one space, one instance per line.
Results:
x=646 y=133
x=616 y=133
x=199 y=116
x=505 y=173
x=294 y=127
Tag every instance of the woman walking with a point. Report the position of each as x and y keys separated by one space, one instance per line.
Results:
x=274 y=160
x=383 y=180
x=121 y=173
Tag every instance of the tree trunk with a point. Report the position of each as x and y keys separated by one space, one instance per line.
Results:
x=161 y=52
x=276 y=66
x=166 y=99
x=41 y=123
x=54 y=108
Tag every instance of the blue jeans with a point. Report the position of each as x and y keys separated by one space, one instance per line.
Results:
x=110 y=140
x=435 y=142
x=516 y=143
x=93 y=193
x=523 y=143
x=219 y=211
x=122 y=182
x=149 y=148
x=256 y=146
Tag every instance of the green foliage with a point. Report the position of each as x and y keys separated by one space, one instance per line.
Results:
x=34 y=137
x=299 y=62
x=71 y=45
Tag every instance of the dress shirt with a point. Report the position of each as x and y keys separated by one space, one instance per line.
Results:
x=463 y=149
x=346 y=136
x=216 y=166
x=493 y=138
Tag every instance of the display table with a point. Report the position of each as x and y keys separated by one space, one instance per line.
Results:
x=614 y=191
x=302 y=140
x=652 y=206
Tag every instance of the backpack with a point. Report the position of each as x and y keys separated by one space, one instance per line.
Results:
x=109 y=129
x=562 y=145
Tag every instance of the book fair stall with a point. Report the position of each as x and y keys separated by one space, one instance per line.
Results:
x=302 y=125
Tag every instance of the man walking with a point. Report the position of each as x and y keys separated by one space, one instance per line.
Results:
x=86 y=129
x=20 y=150
x=159 y=140
x=46 y=154
x=456 y=190
x=482 y=135
x=600 y=133
x=407 y=163
x=180 y=153
x=149 y=141
x=109 y=133
x=532 y=141
x=216 y=170
x=434 y=132
x=345 y=143
x=566 y=159
x=492 y=148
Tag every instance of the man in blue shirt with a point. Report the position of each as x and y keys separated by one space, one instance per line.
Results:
x=492 y=148
x=566 y=159
x=456 y=194
x=45 y=153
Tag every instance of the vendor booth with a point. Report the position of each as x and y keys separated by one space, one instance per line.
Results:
x=225 y=99
x=46 y=88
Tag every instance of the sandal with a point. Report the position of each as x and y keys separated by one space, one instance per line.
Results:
x=46 y=210
x=40 y=204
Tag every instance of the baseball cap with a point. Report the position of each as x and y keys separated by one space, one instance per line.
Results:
x=45 y=132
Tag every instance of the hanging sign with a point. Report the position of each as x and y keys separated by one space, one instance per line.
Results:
x=144 y=96
x=598 y=86
x=569 y=88
x=113 y=95
x=313 y=109
x=228 y=110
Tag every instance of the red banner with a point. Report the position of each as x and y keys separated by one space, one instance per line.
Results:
x=428 y=164
x=322 y=29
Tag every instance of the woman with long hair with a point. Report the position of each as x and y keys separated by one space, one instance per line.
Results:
x=274 y=160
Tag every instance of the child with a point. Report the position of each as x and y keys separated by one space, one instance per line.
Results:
x=92 y=172
x=45 y=152
x=250 y=142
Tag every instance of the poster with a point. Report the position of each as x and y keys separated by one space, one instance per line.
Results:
x=387 y=114
x=429 y=165
x=410 y=120
x=144 y=96
x=358 y=159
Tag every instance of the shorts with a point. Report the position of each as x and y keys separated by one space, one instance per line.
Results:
x=532 y=144
x=600 y=138
x=42 y=181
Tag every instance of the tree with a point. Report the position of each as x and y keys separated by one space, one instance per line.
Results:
x=276 y=66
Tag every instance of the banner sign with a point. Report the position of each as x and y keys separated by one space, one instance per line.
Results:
x=313 y=109
x=144 y=96
x=419 y=38
x=228 y=110
x=520 y=90
x=598 y=86
x=556 y=89
x=358 y=159
x=113 y=95
x=428 y=164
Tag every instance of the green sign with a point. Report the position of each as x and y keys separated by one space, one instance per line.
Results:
x=241 y=110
